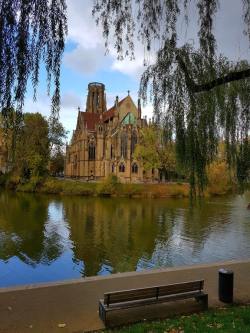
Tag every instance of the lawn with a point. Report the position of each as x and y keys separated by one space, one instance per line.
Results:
x=234 y=319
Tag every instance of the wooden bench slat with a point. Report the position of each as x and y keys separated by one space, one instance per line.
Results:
x=169 y=298
x=151 y=292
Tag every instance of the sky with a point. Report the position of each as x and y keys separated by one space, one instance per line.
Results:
x=84 y=59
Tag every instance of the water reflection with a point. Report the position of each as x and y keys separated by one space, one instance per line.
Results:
x=46 y=238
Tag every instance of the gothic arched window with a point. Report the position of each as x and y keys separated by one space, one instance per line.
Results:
x=122 y=167
x=134 y=168
x=91 y=151
x=133 y=141
x=111 y=151
x=124 y=144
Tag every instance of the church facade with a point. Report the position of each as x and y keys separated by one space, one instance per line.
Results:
x=104 y=141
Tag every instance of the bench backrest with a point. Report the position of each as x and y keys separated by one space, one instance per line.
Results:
x=152 y=292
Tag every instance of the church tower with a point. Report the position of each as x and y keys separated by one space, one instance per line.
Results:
x=96 y=101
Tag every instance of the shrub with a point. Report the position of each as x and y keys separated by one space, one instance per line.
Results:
x=78 y=188
x=109 y=186
x=3 y=180
x=219 y=180
x=52 y=186
x=12 y=182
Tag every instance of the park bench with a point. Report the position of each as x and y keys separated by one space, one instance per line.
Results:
x=126 y=299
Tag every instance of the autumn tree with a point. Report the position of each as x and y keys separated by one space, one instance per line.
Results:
x=203 y=95
x=57 y=137
x=154 y=152
x=32 y=148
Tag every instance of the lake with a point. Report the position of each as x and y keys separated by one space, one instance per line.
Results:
x=47 y=238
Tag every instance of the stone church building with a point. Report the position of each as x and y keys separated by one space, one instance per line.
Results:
x=104 y=141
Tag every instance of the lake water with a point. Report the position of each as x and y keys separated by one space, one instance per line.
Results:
x=50 y=238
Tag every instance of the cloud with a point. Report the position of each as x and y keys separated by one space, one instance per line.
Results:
x=82 y=26
x=85 y=60
x=70 y=100
x=89 y=54
x=129 y=67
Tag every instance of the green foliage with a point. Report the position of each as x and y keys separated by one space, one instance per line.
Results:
x=147 y=149
x=32 y=147
x=57 y=135
x=109 y=186
x=57 y=163
x=153 y=151
x=51 y=186
x=33 y=185
x=35 y=147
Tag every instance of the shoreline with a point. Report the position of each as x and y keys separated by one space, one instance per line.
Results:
x=66 y=187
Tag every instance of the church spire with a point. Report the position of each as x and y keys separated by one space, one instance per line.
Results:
x=96 y=100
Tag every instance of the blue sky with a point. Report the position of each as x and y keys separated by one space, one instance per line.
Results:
x=84 y=60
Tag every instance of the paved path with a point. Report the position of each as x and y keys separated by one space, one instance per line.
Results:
x=41 y=308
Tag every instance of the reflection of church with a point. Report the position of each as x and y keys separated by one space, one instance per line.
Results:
x=104 y=140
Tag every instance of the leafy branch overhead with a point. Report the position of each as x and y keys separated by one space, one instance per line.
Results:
x=197 y=92
x=31 y=32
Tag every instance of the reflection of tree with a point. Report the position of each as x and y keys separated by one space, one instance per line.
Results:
x=22 y=229
x=204 y=217
x=111 y=234
x=115 y=232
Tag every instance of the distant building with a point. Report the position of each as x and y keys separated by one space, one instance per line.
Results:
x=104 y=141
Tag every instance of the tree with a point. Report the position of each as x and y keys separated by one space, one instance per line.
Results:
x=31 y=32
x=56 y=165
x=203 y=95
x=154 y=152
x=57 y=135
x=32 y=148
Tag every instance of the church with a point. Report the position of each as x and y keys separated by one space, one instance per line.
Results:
x=104 y=141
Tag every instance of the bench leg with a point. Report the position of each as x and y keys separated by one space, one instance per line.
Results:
x=102 y=313
x=203 y=299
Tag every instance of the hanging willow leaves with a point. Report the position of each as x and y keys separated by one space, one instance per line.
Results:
x=202 y=95
x=31 y=32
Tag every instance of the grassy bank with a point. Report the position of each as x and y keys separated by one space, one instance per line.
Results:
x=225 y=320
x=106 y=188
x=110 y=187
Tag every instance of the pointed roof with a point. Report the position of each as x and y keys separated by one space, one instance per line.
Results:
x=111 y=112
x=89 y=119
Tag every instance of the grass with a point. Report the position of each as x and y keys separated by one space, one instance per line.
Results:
x=235 y=319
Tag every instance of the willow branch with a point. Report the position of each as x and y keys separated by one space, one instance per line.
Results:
x=196 y=88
